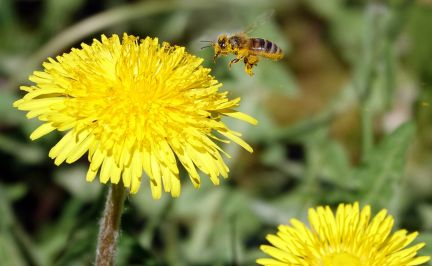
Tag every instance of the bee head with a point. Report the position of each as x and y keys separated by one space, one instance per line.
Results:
x=222 y=44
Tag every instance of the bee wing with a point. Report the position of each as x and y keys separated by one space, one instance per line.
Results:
x=259 y=21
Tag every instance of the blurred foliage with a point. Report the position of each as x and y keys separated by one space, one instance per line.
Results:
x=346 y=116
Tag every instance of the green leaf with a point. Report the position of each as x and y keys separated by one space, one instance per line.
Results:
x=9 y=250
x=61 y=12
x=173 y=26
x=425 y=237
x=334 y=163
x=384 y=167
x=15 y=245
x=72 y=178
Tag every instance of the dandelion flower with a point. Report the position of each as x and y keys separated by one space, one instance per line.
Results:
x=135 y=106
x=349 y=238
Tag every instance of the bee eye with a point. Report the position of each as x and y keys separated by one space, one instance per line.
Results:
x=221 y=43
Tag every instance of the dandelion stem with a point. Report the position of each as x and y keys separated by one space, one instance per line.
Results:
x=109 y=226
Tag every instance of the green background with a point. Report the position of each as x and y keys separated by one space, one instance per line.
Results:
x=346 y=116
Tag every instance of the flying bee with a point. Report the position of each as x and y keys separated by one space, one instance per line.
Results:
x=245 y=48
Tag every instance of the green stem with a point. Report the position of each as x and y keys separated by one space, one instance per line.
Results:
x=366 y=79
x=109 y=226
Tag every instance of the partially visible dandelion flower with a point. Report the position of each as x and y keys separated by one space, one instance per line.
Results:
x=134 y=105
x=349 y=238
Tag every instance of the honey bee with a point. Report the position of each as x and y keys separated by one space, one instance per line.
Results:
x=245 y=48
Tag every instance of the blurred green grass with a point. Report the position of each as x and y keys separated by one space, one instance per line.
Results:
x=345 y=117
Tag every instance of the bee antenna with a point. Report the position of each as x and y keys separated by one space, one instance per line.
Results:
x=205 y=41
x=205 y=46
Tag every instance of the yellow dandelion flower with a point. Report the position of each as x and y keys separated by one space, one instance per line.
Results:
x=135 y=106
x=349 y=238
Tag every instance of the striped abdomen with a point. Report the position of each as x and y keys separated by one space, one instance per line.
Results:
x=265 y=48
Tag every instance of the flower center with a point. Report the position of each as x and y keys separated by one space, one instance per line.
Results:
x=341 y=259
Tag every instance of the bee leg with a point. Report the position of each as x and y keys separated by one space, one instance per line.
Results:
x=250 y=62
x=235 y=60
x=215 y=57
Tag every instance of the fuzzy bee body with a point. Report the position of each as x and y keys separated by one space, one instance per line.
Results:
x=265 y=48
x=248 y=49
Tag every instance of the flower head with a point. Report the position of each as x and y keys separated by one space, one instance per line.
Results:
x=348 y=238
x=135 y=106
